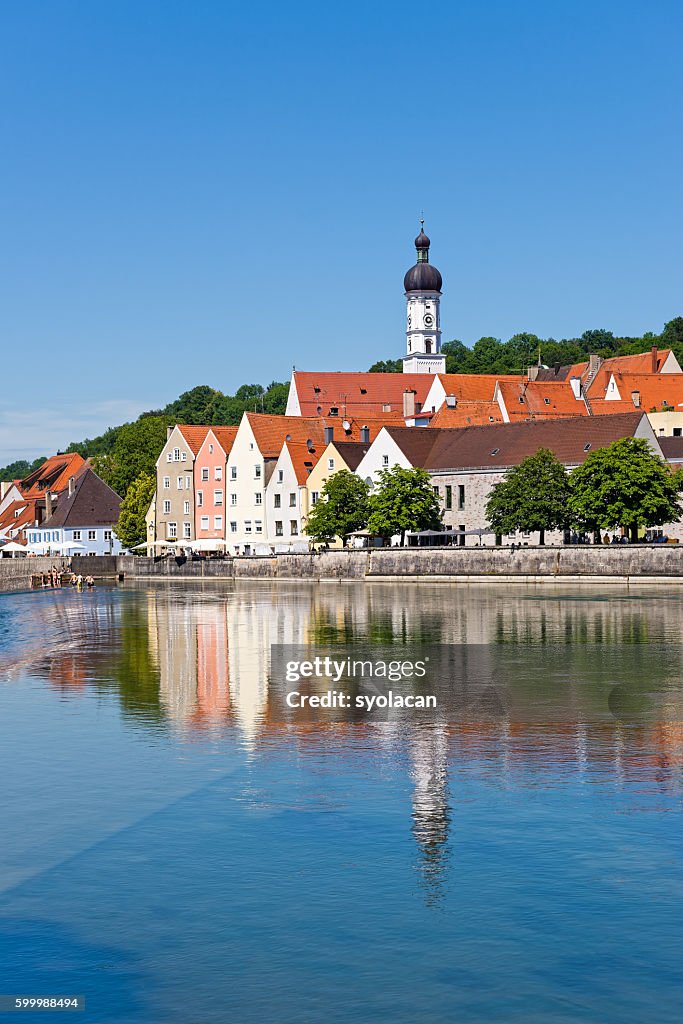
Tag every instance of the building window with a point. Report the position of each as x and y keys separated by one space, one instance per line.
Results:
x=187 y=531
x=436 y=490
x=204 y=521
x=233 y=472
x=167 y=483
x=218 y=473
x=218 y=497
x=293 y=527
x=258 y=526
x=183 y=456
x=167 y=508
x=277 y=501
x=205 y=473
x=181 y=483
x=449 y=496
x=314 y=497
x=233 y=527
x=258 y=498
x=233 y=499
x=92 y=534
x=385 y=460
x=280 y=475
x=461 y=496
x=257 y=472
x=292 y=499
x=247 y=525
x=278 y=527
x=200 y=499
x=107 y=534
x=176 y=454
x=186 y=508
x=172 y=531
x=677 y=431
x=77 y=535
x=330 y=463
x=334 y=411
x=218 y=522
x=169 y=457
x=210 y=449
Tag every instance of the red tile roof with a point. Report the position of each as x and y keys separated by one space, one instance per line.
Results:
x=475 y=387
x=467 y=414
x=541 y=399
x=357 y=394
x=53 y=475
x=303 y=458
x=655 y=390
x=194 y=435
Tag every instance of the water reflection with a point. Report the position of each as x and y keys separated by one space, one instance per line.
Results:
x=195 y=661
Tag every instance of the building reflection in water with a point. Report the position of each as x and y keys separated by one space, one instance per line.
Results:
x=197 y=660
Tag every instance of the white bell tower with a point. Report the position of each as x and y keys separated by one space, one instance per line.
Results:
x=422 y=286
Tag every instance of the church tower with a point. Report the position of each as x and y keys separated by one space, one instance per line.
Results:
x=422 y=286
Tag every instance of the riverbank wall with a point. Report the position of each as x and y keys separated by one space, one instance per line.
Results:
x=15 y=573
x=630 y=564
x=623 y=563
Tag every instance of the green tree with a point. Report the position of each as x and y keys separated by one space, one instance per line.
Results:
x=131 y=528
x=136 y=450
x=625 y=484
x=387 y=366
x=341 y=508
x=404 y=500
x=21 y=468
x=531 y=496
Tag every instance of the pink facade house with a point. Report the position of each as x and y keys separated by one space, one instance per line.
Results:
x=210 y=484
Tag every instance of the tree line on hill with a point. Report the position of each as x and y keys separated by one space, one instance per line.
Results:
x=122 y=453
x=491 y=355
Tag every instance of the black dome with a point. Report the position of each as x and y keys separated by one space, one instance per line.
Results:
x=422 y=241
x=423 y=277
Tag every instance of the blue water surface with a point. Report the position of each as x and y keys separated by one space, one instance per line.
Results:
x=173 y=853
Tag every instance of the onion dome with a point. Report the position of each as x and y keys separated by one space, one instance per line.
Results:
x=423 y=277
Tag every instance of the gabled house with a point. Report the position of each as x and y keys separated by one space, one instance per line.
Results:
x=210 y=472
x=251 y=463
x=287 y=496
x=175 y=504
x=83 y=521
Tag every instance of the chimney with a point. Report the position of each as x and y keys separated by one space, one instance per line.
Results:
x=48 y=504
x=169 y=431
x=451 y=402
x=575 y=383
x=365 y=435
x=532 y=372
x=329 y=434
x=654 y=359
x=408 y=404
x=635 y=397
x=72 y=483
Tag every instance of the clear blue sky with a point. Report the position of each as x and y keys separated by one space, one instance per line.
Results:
x=211 y=192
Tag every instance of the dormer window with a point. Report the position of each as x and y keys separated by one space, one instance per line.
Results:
x=547 y=401
x=587 y=447
x=334 y=411
x=521 y=398
x=495 y=451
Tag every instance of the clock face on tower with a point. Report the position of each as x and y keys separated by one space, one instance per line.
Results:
x=429 y=319
x=410 y=319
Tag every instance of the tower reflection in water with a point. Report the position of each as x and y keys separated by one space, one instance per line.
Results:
x=197 y=662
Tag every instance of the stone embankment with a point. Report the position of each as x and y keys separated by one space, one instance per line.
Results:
x=623 y=563
x=657 y=563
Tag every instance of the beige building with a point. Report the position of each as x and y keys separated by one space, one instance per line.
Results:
x=175 y=515
x=338 y=455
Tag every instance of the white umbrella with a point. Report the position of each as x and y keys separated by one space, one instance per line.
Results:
x=13 y=546
x=208 y=544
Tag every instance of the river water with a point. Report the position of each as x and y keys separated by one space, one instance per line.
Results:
x=175 y=849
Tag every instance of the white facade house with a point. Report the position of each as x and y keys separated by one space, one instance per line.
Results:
x=287 y=498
